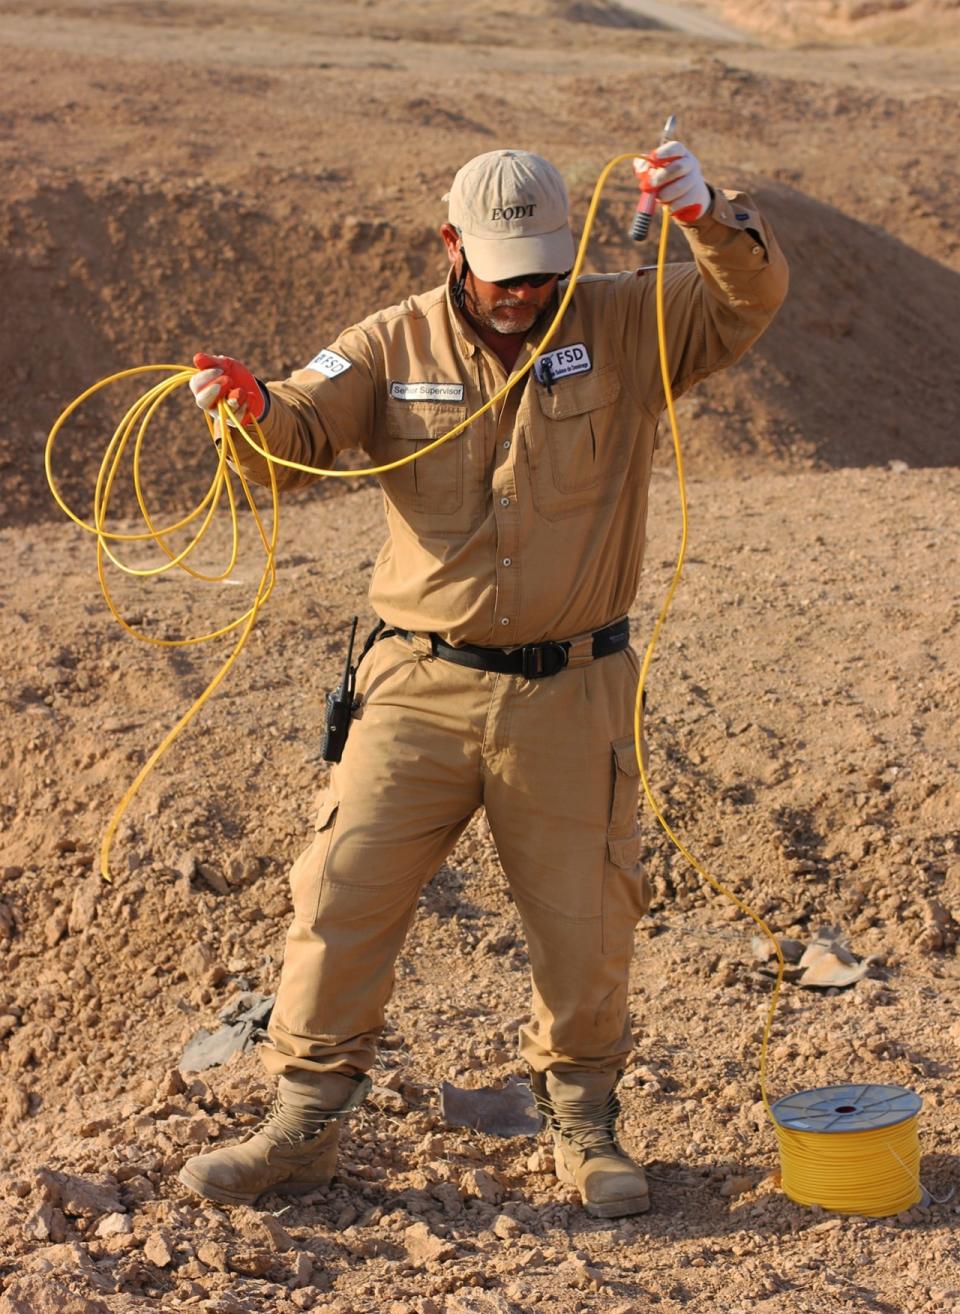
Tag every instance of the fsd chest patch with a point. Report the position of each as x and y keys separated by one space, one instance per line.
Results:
x=329 y=363
x=426 y=392
x=559 y=364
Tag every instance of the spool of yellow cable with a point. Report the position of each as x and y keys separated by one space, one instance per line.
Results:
x=851 y=1149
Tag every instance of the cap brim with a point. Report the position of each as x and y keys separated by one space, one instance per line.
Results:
x=493 y=258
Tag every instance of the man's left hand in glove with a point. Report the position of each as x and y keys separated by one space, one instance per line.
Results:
x=678 y=181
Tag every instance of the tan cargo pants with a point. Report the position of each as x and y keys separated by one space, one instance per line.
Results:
x=552 y=761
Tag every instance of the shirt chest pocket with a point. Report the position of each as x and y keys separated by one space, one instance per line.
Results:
x=433 y=483
x=578 y=443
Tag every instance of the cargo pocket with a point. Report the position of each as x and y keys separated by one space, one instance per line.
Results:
x=626 y=893
x=626 y=788
x=435 y=483
x=579 y=444
x=306 y=875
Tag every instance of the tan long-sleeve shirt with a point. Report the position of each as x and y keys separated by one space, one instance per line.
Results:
x=530 y=525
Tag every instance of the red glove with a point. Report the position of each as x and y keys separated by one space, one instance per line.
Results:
x=673 y=174
x=221 y=378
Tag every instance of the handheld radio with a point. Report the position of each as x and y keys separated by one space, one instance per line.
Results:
x=339 y=707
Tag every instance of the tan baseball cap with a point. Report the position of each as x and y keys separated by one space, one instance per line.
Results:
x=511 y=208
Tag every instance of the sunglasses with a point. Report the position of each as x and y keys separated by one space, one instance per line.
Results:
x=531 y=280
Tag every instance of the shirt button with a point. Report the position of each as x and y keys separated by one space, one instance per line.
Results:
x=504 y=501
x=508 y=561
x=504 y=620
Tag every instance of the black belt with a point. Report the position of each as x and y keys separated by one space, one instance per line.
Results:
x=533 y=660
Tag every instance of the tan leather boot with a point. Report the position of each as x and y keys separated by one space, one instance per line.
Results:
x=581 y=1110
x=294 y=1149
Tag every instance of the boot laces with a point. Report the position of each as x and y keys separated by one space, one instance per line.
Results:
x=587 y=1124
x=286 y=1126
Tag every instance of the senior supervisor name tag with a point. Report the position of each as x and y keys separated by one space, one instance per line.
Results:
x=563 y=362
x=329 y=363
x=428 y=392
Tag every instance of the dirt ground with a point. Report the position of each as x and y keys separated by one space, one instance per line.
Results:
x=251 y=179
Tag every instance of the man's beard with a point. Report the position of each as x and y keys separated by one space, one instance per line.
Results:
x=494 y=319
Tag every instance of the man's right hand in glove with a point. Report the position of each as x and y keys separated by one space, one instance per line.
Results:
x=221 y=378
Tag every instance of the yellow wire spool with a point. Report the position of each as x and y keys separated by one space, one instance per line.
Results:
x=851 y=1149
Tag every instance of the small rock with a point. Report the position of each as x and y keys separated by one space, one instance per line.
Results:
x=303 y=1269
x=481 y=1183
x=46 y=1224
x=197 y=1130
x=384 y=1098
x=80 y=1196
x=54 y=928
x=213 y=1255
x=172 y=1084
x=210 y=876
x=38 y=1293
x=114 y=1225
x=187 y=867
x=196 y=960
x=68 y=1257
x=423 y=1247
x=506 y=1227
x=735 y=1186
x=278 y=1236
x=251 y=1261
x=83 y=909
x=14 y=1103
x=828 y=1225
x=578 y=1273
x=157 y=1250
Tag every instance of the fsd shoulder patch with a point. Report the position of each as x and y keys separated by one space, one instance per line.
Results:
x=329 y=363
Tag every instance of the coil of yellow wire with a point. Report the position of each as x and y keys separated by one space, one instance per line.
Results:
x=851 y=1149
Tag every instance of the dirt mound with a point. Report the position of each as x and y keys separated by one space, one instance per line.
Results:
x=920 y=22
x=120 y=273
x=853 y=370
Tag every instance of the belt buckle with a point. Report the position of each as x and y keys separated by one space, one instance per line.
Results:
x=541 y=659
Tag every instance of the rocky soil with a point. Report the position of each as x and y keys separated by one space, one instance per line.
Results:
x=184 y=176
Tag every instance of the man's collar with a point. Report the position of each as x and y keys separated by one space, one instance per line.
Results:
x=469 y=339
x=469 y=342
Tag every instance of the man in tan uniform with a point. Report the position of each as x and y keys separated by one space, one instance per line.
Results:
x=503 y=677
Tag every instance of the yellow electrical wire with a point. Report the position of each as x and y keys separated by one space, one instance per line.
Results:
x=875 y=1173
x=138 y=417
x=648 y=657
x=850 y=1172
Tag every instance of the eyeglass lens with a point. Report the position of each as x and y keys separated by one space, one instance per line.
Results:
x=532 y=280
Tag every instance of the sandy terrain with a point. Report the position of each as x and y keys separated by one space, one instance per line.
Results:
x=251 y=179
